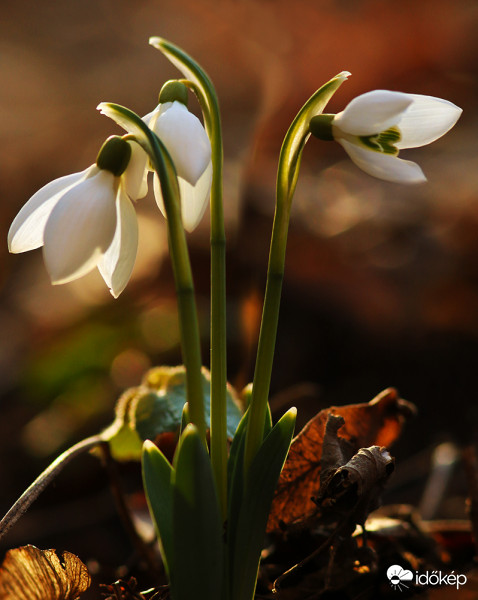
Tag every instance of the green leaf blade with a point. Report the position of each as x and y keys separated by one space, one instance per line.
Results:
x=157 y=476
x=198 y=548
x=244 y=551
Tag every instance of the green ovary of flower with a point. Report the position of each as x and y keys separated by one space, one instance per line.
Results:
x=172 y=91
x=114 y=155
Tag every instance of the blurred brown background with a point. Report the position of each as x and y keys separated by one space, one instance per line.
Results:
x=381 y=285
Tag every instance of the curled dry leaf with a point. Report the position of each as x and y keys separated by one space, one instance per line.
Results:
x=377 y=422
x=348 y=494
x=28 y=573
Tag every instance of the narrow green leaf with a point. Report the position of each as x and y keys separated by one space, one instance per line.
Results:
x=235 y=450
x=235 y=471
x=157 y=475
x=268 y=421
x=235 y=476
x=236 y=455
x=198 y=548
x=245 y=549
x=184 y=418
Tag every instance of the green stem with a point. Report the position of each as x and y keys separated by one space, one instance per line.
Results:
x=287 y=174
x=204 y=90
x=188 y=321
x=218 y=318
x=198 y=80
x=268 y=331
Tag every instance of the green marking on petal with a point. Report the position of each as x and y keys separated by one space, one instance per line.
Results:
x=383 y=142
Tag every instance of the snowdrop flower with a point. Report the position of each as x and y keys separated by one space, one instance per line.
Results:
x=375 y=126
x=189 y=147
x=87 y=220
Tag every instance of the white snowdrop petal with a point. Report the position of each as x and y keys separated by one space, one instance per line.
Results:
x=158 y=195
x=80 y=228
x=150 y=120
x=426 y=120
x=194 y=199
x=186 y=141
x=150 y=116
x=26 y=231
x=372 y=112
x=116 y=264
x=384 y=166
x=136 y=175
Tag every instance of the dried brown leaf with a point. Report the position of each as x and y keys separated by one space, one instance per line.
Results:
x=28 y=573
x=377 y=422
x=349 y=493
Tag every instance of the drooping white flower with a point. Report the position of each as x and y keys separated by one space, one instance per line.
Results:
x=194 y=198
x=87 y=219
x=188 y=144
x=375 y=126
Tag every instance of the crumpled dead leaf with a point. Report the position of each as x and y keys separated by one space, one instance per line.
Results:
x=378 y=422
x=350 y=490
x=28 y=573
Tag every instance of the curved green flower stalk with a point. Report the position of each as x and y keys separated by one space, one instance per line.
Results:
x=190 y=339
x=202 y=86
x=287 y=174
